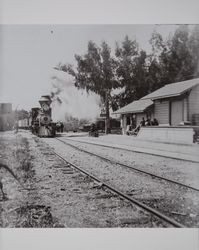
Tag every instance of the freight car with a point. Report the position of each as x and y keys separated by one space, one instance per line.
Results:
x=41 y=119
x=23 y=124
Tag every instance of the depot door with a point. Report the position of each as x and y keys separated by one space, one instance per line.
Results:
x=176 y=112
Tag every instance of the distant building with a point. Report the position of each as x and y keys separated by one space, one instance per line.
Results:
x=6 y=116
x=172 y=105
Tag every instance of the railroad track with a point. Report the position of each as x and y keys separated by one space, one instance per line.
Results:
x=124 y=196
x=131 y=167
x=134 y=150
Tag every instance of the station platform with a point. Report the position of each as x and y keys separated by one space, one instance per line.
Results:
x=134 y=144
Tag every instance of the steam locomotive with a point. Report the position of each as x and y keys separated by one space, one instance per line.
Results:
x=41 y=119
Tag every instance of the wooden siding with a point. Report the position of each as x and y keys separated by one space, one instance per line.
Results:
x=176 y=112
x=193 y=102
x=161 y=111
x=185 y=109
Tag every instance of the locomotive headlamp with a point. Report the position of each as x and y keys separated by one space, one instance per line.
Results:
x=45 y=106
x=44 y=119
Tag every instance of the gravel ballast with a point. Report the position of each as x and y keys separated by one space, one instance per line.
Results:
x=178 y=202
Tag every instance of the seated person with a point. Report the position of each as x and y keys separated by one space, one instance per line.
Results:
x=136 y=130
x=148 y=122
x=128 y=129
x=155 y=122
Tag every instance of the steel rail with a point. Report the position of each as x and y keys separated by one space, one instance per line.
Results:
x=126 y=197
x=131 y=168
x=133 y=150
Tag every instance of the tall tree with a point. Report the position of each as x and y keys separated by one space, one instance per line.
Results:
x=179 y=61
x=194 y=50
x=155 y=61
x=95 y=71
x=175 y=58
x=131 y=71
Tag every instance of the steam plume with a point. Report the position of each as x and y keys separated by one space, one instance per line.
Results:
x=69 y=101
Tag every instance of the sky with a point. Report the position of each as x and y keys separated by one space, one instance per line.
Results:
x=28 y=54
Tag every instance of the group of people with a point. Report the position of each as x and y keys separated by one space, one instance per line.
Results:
x=148 y=122
x=143 y=123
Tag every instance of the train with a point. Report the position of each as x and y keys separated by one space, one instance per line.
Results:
x=41 y=123
x=41 y=118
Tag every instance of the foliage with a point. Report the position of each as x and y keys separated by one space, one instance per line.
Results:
x=176 y=58
x=131 y=72
x=95 y=72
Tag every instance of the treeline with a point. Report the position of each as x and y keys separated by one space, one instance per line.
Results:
x=132 y=70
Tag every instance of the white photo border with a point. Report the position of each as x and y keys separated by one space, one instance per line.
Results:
x=99 y=12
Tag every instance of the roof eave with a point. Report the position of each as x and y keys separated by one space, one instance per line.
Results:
x=131 y=112
x=166 y=96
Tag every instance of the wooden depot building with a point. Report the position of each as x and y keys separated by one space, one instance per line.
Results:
x=173 y=105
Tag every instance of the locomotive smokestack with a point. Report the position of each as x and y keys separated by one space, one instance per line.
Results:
x=45 y=99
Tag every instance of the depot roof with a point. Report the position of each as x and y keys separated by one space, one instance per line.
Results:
x=172 y=89
x=169 y=90
x=135 y=107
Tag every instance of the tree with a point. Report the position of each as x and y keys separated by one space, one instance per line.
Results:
x=176 y=58
x=131 y=72
x=173 y=59
x=95 y=72
x=193 y=44
x=155 y=61
x=179 y=60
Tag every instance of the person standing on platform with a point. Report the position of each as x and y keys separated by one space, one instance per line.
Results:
x=142 y=123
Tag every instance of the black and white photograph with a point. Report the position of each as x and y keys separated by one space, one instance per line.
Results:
x=99 y=128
